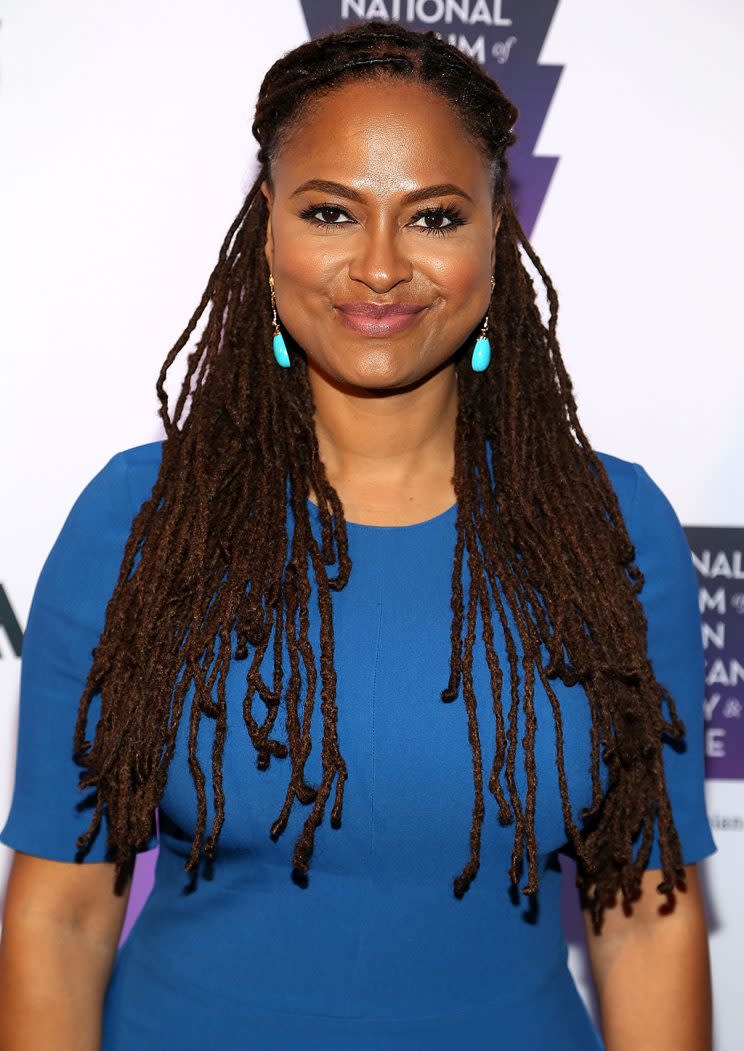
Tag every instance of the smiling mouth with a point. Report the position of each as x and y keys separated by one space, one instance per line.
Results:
x=370 y=323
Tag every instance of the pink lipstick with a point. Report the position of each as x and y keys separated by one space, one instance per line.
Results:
x=378 y=319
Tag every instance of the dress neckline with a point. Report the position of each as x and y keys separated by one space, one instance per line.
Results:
x=444 y=516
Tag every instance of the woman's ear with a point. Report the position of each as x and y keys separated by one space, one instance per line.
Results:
x=269 y=245
x=496 y=225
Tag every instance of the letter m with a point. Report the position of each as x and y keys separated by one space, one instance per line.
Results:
x=716 y=601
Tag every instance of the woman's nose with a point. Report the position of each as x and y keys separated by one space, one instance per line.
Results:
x=380 y=260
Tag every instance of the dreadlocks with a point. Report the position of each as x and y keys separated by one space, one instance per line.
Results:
x=210 y=557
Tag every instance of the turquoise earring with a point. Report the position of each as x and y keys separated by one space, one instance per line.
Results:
x=280 y=347
x=481 y=358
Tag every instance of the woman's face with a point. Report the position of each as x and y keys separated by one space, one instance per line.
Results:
x=380 y=199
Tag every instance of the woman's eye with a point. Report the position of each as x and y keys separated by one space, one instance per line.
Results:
x=444 y=220
x=329 y=213
x=441 y=221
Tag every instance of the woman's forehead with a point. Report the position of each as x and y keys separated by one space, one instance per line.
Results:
x=396 y=133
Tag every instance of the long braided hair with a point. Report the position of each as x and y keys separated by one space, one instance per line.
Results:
x=210 y=558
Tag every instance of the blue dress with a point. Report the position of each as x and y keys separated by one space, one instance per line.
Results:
x=375 y=953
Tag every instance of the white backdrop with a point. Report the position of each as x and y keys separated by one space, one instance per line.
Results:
x=126 y=149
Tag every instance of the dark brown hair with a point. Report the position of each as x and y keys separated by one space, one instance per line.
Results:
x=211 y=558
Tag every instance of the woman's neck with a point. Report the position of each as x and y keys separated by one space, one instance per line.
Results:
x=390 y=456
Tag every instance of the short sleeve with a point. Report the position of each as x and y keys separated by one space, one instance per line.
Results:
x=48 y=809
x=670 y=599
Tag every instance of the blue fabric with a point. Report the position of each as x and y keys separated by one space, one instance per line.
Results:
x=375 y=952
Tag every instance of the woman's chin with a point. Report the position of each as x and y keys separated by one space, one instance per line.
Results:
x=377 y=370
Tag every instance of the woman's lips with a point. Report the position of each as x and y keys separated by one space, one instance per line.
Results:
x=369 y=325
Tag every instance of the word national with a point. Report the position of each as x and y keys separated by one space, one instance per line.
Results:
x=466 y=12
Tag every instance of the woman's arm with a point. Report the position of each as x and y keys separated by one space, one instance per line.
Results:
x=61 y=927
x=652 y=971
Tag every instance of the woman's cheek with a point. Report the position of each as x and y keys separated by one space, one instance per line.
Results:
x=466 y=292
x=312 y=275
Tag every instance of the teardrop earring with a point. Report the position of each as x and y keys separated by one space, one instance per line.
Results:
x=481 y=358
x=280 y=347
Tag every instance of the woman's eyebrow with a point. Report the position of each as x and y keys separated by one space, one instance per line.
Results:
x=340 y=190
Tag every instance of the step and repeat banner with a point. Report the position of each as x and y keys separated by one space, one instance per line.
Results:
x=125 y=135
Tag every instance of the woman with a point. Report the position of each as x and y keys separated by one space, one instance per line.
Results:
x=373 y=388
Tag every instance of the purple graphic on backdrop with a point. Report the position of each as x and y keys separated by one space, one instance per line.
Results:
x=718 y=557
x=504 y=37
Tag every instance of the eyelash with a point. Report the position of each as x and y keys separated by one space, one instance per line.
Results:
x=454 y=216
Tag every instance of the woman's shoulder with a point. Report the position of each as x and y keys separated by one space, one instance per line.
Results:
x=140 y=464
x=660 y=544
x=99 y=518
x=624 y=477
x=124 y=481
x=148 y=454
x=95 y=529
x=645 y=505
